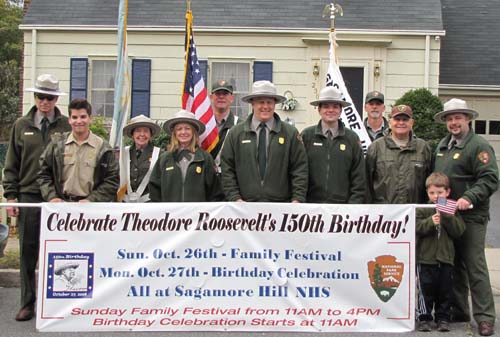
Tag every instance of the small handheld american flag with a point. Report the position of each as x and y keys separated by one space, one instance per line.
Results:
x=448 y=206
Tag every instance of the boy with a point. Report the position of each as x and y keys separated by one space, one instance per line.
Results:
x=436 y=231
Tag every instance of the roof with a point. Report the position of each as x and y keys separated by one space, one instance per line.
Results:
x=396 y=15
x=471 y=48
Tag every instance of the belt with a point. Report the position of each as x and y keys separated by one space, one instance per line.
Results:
x=73 y=198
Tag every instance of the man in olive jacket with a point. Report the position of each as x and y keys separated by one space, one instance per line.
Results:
x=263 y=159
x=336 y=162
x=469 y=162
x=29 y=136
x=78 y=166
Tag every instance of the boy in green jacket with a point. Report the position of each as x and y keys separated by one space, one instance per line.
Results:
x=436 y=231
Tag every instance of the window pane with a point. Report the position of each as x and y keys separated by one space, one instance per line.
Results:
x=494 y=127
x=480 y=127
x=238 y=74
x=102 y=87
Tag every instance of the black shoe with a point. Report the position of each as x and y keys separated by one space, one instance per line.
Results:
x=424 y=326
x=26 y=313
x=443 y=326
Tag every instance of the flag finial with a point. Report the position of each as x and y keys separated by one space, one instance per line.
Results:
x=331 y=10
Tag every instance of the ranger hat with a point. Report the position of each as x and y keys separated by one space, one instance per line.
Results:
x=47 y=84
x=183 y=116
x=374 y=95
x=263 y=89
x=330 y=95
x=59 y=270
x=454 y=106
x=402 y=109
x=139 y=121
x=222 y=85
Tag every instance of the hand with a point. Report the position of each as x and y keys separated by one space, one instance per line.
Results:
x=463 y=204
x=12 y=211
x=295 y=202
x=436 y=218
x=240 y=200
x=56 y=200
x=84 y=200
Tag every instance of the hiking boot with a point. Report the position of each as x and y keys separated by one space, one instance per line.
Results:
x=424 y=326
x=443 y=326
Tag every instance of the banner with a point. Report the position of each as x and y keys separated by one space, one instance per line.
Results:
x=349 y=116
x=226 y=267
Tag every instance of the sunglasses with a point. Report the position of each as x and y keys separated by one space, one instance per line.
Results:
x=41 y=97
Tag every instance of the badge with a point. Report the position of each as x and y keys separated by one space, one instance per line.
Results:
x=484 y=157
x=456 y=156
x=170 y=168
x=342 y=147
x=198 y=169
x=385 y=274
x=281 y=140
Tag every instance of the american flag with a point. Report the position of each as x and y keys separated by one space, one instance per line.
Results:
x=194 y=97
x=448 y=206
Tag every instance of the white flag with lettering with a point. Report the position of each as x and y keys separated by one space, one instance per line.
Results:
x=349 y=116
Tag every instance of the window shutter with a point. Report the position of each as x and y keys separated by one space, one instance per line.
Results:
x=141 y=87
x=262 y=70
x=204 y=71
x=78 y=78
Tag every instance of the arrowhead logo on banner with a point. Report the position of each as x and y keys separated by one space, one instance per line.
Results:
x=349 y=116
x=385 y=276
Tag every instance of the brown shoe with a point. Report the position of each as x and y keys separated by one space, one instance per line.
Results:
x=25 y=314
x=486 y=328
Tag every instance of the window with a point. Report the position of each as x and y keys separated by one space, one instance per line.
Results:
x=102 y=87
x=480 y=127
x=494 y=127
x=238 y=75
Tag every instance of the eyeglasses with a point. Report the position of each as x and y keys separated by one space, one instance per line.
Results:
x=41 y=97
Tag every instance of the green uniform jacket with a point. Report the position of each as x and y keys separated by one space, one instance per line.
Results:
x=337 y=173
x=106 y=172
x=201 y=182
x=286 y=172
x=430 y=248
x=139 y=167
x=230 y=122
x=395 y=175
x=472 y=169
x=25 y=148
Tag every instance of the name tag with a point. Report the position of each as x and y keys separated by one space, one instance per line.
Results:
x=439 y=154
x=246 y=141
x=170 y=168
x=29 y=133
x=318 y=144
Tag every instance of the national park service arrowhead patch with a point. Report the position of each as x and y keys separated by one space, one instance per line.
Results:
x=385 y=276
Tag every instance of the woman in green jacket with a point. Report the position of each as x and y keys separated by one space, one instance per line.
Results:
x=185 y=172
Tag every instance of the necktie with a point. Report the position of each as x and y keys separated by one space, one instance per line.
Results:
x=453 y=143
x=262 y=149
x=329 y=134
x=45 y=129
x=138 y=153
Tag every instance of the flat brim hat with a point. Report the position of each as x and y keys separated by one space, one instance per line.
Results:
x=183 y=116
x=454 y=106
x=47 y=84
x=60 y=269
x=330 y=95
x=263 y=89
x=139 y=121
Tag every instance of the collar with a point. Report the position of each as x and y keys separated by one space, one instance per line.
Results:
x=92 y=140
x=256 y=123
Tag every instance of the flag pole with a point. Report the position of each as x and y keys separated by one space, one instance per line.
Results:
x=331 y=10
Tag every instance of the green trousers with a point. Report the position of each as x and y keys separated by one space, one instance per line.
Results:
x=29 y=236
x=471 y=271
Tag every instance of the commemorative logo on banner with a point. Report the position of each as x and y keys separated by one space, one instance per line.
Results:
x=226 y=267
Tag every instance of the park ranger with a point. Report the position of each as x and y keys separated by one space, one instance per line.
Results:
x=469 y=162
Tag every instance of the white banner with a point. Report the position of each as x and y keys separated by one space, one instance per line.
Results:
x=226 y=267
x=350 y=116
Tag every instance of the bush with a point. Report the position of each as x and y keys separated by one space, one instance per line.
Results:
x=425 y=105
x=98 y=127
